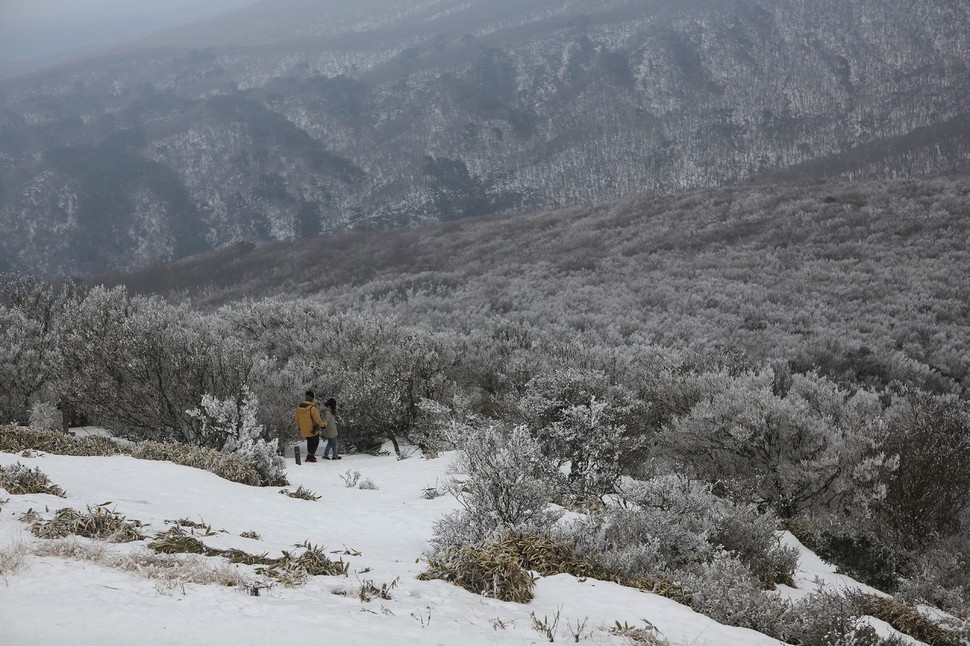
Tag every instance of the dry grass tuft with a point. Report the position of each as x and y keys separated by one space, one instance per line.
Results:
x=315 y=562
x=17 y=439
x=176 y=541
x=19 y=480
x=204 y=528
x=289 y=569
x=904 y=619
x=549 y=557
x=12 y=559
x=98 y=522
x=230 y=467
x=29 y=516
x=369 y=590
x=486 y=569
x=301 y=493
x=502 y=568
x=171 y=570
x=646 y=636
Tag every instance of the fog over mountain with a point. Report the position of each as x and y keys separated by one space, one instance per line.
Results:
x=35 y=33
x=290 y=119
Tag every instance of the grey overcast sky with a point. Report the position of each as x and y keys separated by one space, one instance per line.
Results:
x=56 y=29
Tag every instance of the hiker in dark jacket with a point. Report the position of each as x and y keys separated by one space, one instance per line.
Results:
x=309 y=422
x=330 y=429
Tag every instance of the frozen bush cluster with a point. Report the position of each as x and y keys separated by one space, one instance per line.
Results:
x=670 y=523
x=505 y=486
x=231 y=425
x=676 y=444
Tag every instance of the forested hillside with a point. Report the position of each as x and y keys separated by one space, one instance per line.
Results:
x=866 y=281
x=685 y=375
x=291 y=119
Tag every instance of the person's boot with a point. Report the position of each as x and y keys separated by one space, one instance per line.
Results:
x=311 y=458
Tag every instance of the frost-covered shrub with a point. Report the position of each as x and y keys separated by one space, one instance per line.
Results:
x=940 y=576
x=136 y=364
x=930 y=489
x=578 y=418
x=430 y=428
x=827 y=619
x=499 y=360
x=669 y=523
x=19 y=479
x=638 y=542
x=863 y=554
x=454 y=529
x=739 y=528
x=506 y=487
x=231 y=424
x=45 y=415
x=753 y=538
x=279 y=387
x=725 y=590
x=378 y=371
x=368 y=484
x=813 y=446
x=31 y=366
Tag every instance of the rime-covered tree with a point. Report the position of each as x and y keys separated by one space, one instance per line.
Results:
x=230 y=425
x=814 y=447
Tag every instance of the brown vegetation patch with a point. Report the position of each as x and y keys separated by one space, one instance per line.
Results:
x=19 y=480
x=287 y=569
x=16 y=439
x=503 y=569
x=98 y=522
x=904 y=619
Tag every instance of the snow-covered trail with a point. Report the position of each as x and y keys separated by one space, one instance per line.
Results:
x=57 y=601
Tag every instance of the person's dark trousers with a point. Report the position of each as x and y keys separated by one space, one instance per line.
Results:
x=331 y=446
x=312 y=443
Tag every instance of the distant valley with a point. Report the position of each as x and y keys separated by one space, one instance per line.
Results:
x=292 y=119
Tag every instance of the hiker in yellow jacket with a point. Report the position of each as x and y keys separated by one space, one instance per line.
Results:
x=310 y=423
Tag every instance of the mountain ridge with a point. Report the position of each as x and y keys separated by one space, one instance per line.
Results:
x=557 y=105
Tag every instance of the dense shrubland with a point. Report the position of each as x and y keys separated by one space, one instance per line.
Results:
x=866 y=283
x=736 y=379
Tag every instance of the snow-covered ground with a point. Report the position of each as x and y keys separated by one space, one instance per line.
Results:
x=383 y=533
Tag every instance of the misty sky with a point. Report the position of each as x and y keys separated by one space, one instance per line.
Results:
x=56 y=29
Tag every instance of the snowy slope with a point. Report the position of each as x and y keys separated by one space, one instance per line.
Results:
x=51 y=600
